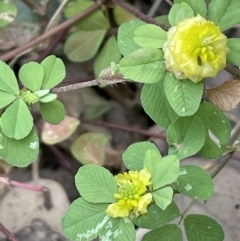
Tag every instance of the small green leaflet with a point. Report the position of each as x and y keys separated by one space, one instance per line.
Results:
x=163 y=197
x=199 y=6
x=150 y=35
x=118 y=229
x=156 y=217
x=83 y=45
x=19 y=153
x=195 y=182
x=52 y=112
x=169 y=232
x=164 y=170
x=184 y=96
x=8 y=81
x=179 y=12
x=224 y=13
x=202 y=228
x=94 y=21
x=31 y=75
x=96 y=184
x=134 y=155
x=145 y=65
x=83 y=221
x=185 y=136
x=8 y=12
x=125 y=36
x=54 y=71
x=17 y=121
x=156 y=104
x=6 y=98
x=233 y=56
x=217 y=130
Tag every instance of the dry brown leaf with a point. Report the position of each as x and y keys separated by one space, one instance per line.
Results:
x=225 y=96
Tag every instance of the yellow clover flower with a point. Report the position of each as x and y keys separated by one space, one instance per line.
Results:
x=195 y=49
x=131 y=194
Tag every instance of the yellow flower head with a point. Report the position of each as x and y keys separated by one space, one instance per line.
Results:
x=195 y=49
x=131 y=194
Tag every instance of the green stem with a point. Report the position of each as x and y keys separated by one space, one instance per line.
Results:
x=186 y=210
x=225 y=160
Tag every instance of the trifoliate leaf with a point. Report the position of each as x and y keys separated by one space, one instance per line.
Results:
x=163 y=197
x=6 y=98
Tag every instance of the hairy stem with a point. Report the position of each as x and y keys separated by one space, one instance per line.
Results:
x=88 y=84
x=7 y=233
x=53 y=31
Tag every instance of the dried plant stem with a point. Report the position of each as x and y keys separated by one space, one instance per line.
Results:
x=123 y=128
x=233 y=70
x=88 y=84
x=7 y=233
x=52 y=32
x=138 y=14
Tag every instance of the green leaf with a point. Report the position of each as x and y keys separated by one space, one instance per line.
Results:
x=163 y=19
x=156 y=104
x=83 y=45
x=121 y=15
x=134 y=155
x=31 y=75
x=84 y=220
x=164 y=170
x=94 y=21
x=96 y=184
x=48 y=98
x=54 y=71
x=90 y=148
x=52 y=112
x=8 y=12
x=224 y=13
x=156 y=217
x=163 y=197
x=199 y=6
x=200 y=227
x=185 y=136
x=217 y=130
x=8 y=81
x=233 y=56
x=17 y=121
x=195 y=182
x=41 y=93
x=144 y=65
x=125 y=37
x=169 y=232
x=6 y=98
x=109 y=53
x=179 y=12
x=118 y=229
x=19 y=153
x=150 y=35
x=184 y=96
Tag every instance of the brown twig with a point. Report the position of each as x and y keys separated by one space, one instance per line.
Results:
x=7 y=233
x=123 y=128
x=88 y=84
x=53 y=31
x=233 y=70
x=138 y=14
